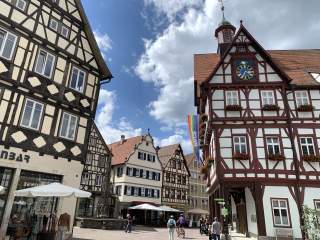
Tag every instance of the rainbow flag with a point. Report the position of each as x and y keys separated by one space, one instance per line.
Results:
x=193 y=125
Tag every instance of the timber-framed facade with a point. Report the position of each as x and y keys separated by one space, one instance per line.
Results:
x=175 y=181
x=51 y=70
x=259 y=132
x=96 y=178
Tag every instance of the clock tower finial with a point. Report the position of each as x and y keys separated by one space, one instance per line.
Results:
x=224 y=33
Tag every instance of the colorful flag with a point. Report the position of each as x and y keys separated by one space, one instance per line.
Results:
x=193 y=124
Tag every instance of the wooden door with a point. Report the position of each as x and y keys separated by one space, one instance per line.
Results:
x=241 y=218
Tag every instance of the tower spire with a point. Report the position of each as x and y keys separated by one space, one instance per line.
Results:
x=222 y=10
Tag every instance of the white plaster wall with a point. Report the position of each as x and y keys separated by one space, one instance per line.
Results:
x=280 y=192
x=310 y=195
x=251 y=210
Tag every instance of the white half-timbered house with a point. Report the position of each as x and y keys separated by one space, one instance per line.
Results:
x=136 y=175
x=51 y=70
x=260 y=132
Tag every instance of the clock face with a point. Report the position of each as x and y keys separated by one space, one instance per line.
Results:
x=244 y=70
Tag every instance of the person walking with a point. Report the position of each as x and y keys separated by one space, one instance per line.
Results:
x=129 y=223
x=171 y=225
x=216 y=229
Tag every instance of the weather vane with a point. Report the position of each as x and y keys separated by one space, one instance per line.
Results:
x=222 y=9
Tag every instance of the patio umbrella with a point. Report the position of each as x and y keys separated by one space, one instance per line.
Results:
x=2 y=190
x=145 y=206
x=52 y=190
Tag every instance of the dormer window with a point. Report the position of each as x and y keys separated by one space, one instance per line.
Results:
x=316 y=76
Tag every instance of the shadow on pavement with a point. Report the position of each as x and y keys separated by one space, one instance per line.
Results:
x=81 y=239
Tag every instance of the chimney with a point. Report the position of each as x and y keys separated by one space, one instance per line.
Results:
x=123 y=138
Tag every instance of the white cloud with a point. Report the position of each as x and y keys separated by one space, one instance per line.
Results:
x=110 y=129
x=174 y=139
x=104 y=42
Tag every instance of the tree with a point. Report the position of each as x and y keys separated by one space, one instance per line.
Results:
x=311 y=223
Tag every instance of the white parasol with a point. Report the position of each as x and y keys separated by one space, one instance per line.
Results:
x=52 y=190
x=2 y=190
x=169 y=209
x=145 y=206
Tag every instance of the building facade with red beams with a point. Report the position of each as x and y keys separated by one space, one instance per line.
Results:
x=259 y=132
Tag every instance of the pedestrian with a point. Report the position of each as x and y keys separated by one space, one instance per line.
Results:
x=171 y=224
x=216 y=229
x=129 y=223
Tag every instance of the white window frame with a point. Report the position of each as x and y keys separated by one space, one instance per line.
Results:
x=273 y=200
x=300 y=99
x=268 y=97
x=24 y=4
x=98 y=180
x=5 y=39
x=316 y=76
x=32 y=114
x=56 y=22
x=232 y=98
x=273 y=144
x=45 y=63
x=240 y=143
x=69 y=126
x=316 y=203
x=307 y=145
x=67 y=31
x=85 y=178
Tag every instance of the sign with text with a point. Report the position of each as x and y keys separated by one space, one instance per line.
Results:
x=10 y=155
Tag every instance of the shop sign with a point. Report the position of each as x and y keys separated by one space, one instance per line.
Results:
x=18 y=157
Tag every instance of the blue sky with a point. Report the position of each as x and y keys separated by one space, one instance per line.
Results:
x=149 y=47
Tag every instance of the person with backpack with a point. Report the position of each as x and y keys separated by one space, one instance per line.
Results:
x=171 y=225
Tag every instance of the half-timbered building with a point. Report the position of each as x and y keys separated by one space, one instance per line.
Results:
x=136 y=173
x=260 y=132
x=175 y=181
x=51 y=70
x=96 y=178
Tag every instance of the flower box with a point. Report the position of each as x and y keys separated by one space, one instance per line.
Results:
x=311 y=158
x=276 y=157
x=233 y=108
x=270 y=107
x=241 y=156
x=305 y=108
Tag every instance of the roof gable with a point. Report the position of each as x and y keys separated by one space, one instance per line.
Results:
x=244 y=36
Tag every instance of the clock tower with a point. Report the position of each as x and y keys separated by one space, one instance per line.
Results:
x=224 y=33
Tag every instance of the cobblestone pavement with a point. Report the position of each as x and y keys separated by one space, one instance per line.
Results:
x=139 y=233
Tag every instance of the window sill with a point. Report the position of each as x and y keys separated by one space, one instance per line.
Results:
x=276 y=157
x=270 y=107
x=233 y=108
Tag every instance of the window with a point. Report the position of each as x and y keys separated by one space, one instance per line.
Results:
x=45 y=62
x=240 y=144
x=53 y=24
x=317 y=204
x=101 y=161
x=21 y=4
x=98 y=180
x=64 y=31
x=178 y=165
x=280 y=212
x=77 y=79
x=167 y=177
x=273 y=145
x=89 y=158
x=7 y=44
x=118 y=190
x=267 y=98
x=140 y=155
x=32 y=114
x=302 y=98
x=142 y=192
x=119 y=171
x=68 y=126
x=232 y=98
x=128 y=191
x=85 y=178
x=307 y=146
x=136 y=191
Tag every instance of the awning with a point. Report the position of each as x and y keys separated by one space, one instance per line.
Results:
x=168 y=209
x=198 y=211
x=145 y=206
x=52 y=190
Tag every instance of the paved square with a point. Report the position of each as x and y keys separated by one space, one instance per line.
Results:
x=140 y=233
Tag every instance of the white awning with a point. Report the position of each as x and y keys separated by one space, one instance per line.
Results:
x=168 y=209
x=52 y=190
x=145 y=206
x=2 y=190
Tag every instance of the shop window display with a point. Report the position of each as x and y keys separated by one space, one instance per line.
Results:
x=32 y=218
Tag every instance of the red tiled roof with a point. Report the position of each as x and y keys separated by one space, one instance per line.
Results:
x=297 y=64
x=122 y=150
x=165 y=153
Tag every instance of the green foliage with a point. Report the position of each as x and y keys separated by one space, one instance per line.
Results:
x=311 y=223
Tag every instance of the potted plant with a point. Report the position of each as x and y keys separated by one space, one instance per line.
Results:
x=233 y=108
x=311 y=158
x=241 y=156
x=276 y=157
x=270 y=107
x=305 y=108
